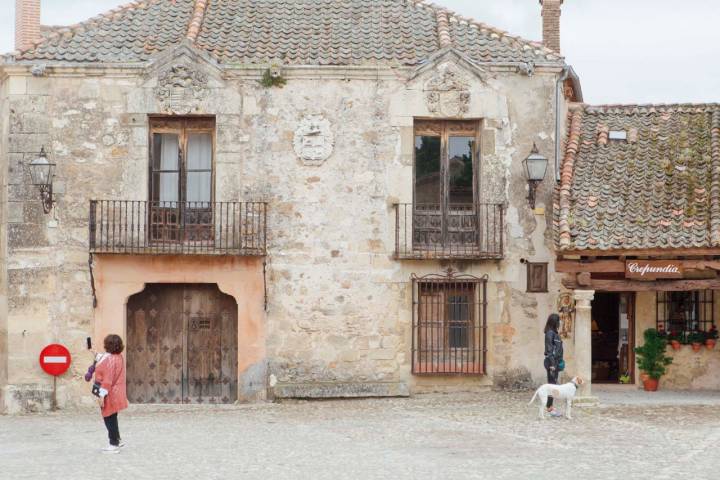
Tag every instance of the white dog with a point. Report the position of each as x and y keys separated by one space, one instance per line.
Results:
x=565 y=392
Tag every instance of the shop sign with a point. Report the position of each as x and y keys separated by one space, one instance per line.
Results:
x=653 y=269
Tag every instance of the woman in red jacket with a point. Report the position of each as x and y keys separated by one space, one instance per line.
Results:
x=110 y=374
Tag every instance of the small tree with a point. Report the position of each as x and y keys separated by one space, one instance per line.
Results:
x=651 y=356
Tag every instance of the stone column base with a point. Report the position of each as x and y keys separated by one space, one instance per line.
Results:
x=588 y=401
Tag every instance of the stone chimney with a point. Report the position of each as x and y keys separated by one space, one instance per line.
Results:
x=27 y=23
x=551 y=23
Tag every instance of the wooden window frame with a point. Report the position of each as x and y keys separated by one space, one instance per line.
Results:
x=530 y=287
x=445 y=129
x=183 y=127
x=442 y=225
x=183 y=222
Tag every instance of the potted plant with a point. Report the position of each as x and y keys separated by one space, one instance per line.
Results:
x=696 y=339
x=711 y=339
x=651 y=358
x=674 y=340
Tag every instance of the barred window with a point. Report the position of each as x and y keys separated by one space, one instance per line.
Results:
x=449 y=324
x=684 y=312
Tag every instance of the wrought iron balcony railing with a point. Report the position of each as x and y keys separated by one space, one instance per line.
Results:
x=434 y=231
x=195 y=228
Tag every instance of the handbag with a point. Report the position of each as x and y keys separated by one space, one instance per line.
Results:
x=561 y=365
x=95 y=390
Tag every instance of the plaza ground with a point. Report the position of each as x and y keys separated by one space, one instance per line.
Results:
x=493 y=435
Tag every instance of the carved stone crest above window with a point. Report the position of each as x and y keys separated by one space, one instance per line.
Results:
x=447 y=92
x=314 y=140
x=181 y=89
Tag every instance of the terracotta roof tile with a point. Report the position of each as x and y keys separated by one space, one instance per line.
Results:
x=126 y=34
x=660 y=188
x=305 y=32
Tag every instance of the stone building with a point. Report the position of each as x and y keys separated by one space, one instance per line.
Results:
x=278 y=198
x=638 y=223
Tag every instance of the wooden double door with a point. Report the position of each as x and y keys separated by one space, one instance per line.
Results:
x=445 y=213
x=182 y=345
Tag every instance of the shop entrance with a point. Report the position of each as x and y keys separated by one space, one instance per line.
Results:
x=613 y=337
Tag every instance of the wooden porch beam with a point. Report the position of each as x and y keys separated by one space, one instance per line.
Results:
x=653 y=252
x=640 y=286
x=604 y=266
x=617 y=266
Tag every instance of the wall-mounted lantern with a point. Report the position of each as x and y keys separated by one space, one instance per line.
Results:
x=535 y=168
x=42 y=172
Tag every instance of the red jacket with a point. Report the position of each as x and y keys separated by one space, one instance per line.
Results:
x=111 y=375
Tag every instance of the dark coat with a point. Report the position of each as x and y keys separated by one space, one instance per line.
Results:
x=553 y=349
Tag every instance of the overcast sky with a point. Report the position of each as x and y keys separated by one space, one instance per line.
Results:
x=625 y=51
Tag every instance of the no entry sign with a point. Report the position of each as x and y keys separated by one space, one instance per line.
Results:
x=55 y=359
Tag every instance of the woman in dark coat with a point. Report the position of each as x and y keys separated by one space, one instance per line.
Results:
x=553 y=356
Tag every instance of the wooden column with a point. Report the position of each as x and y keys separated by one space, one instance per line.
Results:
x=583 y=340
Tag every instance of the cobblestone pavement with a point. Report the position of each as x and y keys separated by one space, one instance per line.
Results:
x=489 y=435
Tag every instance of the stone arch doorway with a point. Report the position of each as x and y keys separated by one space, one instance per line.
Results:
x=182 y=345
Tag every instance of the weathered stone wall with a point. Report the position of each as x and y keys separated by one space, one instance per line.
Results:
x=4 y=107
x=49 y=293
x=339 y=312
x=690 y=370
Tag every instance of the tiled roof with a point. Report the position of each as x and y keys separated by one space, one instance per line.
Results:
x=129 y=33
x=299 y=32
x=659 y=188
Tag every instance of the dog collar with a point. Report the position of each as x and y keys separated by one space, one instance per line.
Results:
x=575 y=385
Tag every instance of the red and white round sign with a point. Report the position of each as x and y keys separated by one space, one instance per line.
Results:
x=55 y=359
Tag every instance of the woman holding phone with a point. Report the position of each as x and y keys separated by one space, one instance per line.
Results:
x=111 y=391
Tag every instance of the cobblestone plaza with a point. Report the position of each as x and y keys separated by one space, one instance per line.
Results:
x=489 y=435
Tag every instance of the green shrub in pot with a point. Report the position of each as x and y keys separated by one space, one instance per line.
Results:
x=651 y=356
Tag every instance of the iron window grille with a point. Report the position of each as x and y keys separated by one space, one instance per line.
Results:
x=449 y=324
x=681 y=313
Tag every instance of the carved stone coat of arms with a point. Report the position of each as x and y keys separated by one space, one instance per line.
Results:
x=181 y=89
x=447 y=92
x=314 y=140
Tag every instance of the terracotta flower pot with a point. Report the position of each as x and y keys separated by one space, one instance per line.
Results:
x=644 y=376
x=696 y=346
x=650 y=385
x=710 y=343
x=675 y=345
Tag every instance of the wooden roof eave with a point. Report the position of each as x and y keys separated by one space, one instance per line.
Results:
x=646 y=252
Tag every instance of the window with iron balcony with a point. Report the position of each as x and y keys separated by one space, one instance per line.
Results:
x=181 y=215
x=447 y=219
